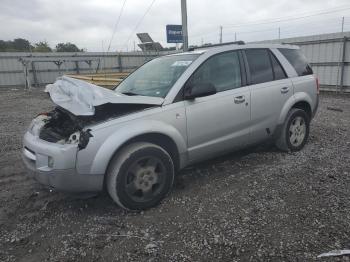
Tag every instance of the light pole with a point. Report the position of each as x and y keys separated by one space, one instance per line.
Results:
x=184 y=25
x=220 y=40
x=279 y=33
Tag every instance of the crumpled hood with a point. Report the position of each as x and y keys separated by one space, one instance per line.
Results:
x=80 y=97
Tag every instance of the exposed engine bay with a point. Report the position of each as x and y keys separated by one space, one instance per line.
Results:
x=62 y=127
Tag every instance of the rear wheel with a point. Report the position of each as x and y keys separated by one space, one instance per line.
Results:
x=295 y=131
x=140 y=176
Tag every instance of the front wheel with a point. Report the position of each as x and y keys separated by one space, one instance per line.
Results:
x=140 y=176
x=295 y=131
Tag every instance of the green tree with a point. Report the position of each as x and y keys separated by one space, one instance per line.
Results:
x=20 y=44
x=67 y=47
x=3 y=46
x=17 y=45
x=42 y=46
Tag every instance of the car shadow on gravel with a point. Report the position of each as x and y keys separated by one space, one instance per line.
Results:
x=195 y=172
x=101 y=203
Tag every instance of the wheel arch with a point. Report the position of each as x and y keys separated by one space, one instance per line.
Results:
x=165 y=136
x=159 y=139
x=304 y=106
x=300 y=100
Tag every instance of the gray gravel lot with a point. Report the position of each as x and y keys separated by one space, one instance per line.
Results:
x=254 y=205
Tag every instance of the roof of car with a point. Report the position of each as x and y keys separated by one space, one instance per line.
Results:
x=227 y=47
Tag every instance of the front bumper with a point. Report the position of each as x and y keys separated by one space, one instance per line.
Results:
x=53 y=165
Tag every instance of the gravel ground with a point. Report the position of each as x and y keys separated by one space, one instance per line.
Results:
x=253 y=205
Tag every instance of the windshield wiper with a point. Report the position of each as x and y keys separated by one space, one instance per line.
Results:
x=130 y=94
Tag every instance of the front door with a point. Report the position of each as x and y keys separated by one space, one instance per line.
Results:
x=219 y=122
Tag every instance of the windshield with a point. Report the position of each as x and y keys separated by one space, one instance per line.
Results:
x=156 y=77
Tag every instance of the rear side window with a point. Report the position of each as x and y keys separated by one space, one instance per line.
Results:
x=259 y=65
x=297 y=60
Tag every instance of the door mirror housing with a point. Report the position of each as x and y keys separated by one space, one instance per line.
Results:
x=199 y=90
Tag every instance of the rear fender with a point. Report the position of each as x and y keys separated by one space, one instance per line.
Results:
x=297 y=97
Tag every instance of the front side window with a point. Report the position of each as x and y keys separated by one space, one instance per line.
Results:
x=222 y=70
x=297 y=60
x=259 y=65
x=156 y=77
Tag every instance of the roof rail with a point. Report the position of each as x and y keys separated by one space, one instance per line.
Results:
x=215 y=45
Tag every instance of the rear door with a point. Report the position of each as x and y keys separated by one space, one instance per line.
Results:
x=219 y=122
x=270 y=89
x=304 y=81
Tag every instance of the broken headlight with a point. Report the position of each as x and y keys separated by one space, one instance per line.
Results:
x=74 y=138
x=37 y=124
x=80 y=137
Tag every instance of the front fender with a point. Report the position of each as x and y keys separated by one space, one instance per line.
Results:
x=128 y=131
x=297 y=97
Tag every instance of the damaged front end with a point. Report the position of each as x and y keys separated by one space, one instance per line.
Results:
x=81 y=105
x=52 y=143
x=62 y=127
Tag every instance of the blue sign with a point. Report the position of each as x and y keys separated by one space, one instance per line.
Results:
x=174 y=34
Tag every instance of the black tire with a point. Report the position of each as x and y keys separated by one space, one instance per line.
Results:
x=140 y=176
x=286 y=141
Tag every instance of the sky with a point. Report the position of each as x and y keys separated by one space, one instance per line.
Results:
x=90 y=23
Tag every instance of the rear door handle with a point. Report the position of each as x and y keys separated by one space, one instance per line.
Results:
x=285 y=89
x=239 y=99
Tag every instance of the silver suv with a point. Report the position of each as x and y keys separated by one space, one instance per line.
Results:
x=171 y=112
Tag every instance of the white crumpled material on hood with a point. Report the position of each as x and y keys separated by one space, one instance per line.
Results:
x=80 y=97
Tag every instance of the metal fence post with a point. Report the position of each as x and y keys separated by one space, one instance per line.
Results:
x=77 y=67
x=343 y=64
x=58 y=63
x=35 y=78
x=120 y=63
x=25 y=71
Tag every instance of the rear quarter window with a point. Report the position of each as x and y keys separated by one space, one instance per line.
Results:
x=277 y=68
x=296 y=58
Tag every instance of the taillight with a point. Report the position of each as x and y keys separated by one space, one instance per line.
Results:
x=317 y=86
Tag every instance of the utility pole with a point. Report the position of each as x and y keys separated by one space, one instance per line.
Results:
x=235 y=36
x=221 y=34
x=184 y=25
x=279 y=33
x=342 y=24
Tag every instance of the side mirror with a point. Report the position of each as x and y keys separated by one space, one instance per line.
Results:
x=199 y=90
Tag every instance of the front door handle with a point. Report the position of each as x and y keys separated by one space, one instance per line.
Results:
x=285 y=89
x=239 y=99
